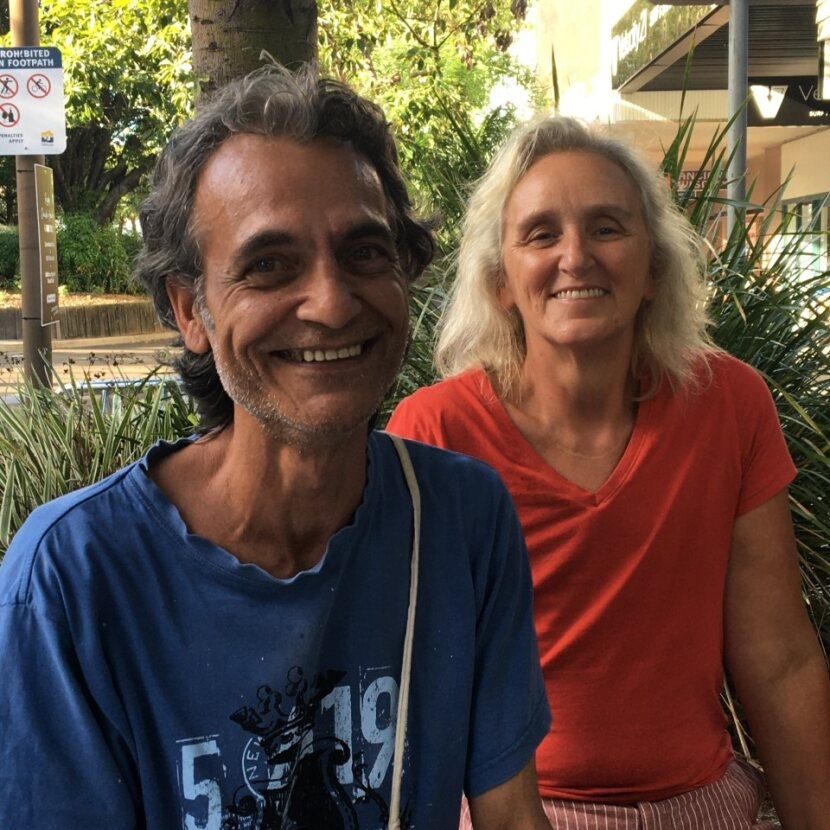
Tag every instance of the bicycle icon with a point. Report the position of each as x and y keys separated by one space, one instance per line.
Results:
x=38 y=86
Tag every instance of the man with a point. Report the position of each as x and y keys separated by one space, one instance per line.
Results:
x=214 y=637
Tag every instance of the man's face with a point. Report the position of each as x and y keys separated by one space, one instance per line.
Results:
x=303 y=303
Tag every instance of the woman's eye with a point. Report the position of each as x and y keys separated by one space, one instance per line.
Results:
x=608 y=226
x=541 y=236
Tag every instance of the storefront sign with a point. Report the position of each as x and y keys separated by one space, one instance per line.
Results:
x=785 y=102
x=696 y=179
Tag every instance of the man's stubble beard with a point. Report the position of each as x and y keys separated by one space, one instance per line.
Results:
x=243 y=387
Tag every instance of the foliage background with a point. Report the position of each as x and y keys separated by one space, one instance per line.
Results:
x=92 y=258
x=127 y=81
x=427 y=63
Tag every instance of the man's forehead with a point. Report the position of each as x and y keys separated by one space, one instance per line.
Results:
x=254 y=179
x=242 y=150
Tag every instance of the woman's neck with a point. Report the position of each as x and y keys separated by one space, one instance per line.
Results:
x=578 y=415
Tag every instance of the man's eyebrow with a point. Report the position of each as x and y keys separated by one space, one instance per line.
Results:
x=277 y=238
x=265 y=239
x=371 y=227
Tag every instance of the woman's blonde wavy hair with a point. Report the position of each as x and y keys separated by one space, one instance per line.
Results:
x=477 y=331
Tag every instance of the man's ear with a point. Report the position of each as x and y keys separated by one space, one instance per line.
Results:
x=183 y=302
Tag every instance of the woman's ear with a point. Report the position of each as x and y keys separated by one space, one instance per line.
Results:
x=504 y=294
x=182 y=298
x=650 y=289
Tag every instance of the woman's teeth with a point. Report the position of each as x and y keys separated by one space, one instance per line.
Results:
x=579 y=294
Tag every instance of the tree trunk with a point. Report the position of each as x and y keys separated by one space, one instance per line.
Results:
x=230 y=35
x=105 y=211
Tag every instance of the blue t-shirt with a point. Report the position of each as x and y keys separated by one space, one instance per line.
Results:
x=152 y=680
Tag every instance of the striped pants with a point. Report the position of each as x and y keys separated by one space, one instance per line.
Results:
x=730 y=803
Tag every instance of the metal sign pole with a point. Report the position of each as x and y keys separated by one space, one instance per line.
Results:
x=37 y=338
x=737 y=97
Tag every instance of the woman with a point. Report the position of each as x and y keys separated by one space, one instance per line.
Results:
x=650 y=475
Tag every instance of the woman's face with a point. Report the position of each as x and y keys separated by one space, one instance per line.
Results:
x=576 y=254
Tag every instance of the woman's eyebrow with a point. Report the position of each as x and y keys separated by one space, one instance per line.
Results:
x=591 y=212
x=615 y=211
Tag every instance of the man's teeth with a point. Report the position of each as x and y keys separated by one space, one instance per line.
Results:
x=579 y=294
x=322 y=355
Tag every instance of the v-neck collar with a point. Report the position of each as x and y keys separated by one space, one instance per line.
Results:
x=518 y=447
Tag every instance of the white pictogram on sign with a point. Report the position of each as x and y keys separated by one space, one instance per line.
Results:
x=8 y=86
x=9 y=115
x=39 y=86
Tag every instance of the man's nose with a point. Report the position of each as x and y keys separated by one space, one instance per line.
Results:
x=329 y=298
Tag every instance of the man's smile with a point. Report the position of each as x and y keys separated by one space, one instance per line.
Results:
x=321 y=355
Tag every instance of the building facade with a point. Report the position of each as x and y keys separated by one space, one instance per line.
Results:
x=642 y=67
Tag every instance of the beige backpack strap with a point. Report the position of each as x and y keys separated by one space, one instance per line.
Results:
x=406 y=666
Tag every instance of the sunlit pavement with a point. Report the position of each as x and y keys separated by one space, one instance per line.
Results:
x=101 y=358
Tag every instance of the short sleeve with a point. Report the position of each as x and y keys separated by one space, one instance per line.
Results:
x=767 y=465
x=510 y=714
x=412 y=419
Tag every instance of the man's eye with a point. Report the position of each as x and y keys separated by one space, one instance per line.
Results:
x=369 y=252
x=267 y=269
x=263 y=265
x=370 y=258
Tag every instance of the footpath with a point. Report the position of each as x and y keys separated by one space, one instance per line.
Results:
x=126 y=357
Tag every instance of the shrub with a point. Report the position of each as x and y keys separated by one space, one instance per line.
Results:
x=92 y=258
x=52 y=442
x=771 y=308
x=132 y=245
x=9 y=256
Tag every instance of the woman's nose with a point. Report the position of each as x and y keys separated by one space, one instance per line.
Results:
x=575 y=250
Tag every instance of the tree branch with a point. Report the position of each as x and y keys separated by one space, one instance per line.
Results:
x=106 y=209
x=416 y=37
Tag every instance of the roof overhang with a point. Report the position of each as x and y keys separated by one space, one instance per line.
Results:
x=682 y=45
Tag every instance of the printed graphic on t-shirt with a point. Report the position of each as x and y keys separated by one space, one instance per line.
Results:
x=319 y=756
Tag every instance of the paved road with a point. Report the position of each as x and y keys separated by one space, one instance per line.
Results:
x=129 y=356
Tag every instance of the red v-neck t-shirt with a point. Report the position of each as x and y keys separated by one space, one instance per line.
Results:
x=628 y=580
